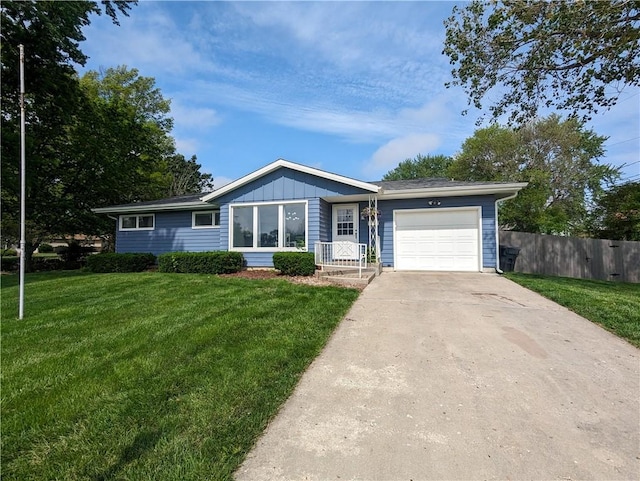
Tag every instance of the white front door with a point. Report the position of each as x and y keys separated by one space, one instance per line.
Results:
x=345 y=231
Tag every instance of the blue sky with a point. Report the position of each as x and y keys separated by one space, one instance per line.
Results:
x=349 y=87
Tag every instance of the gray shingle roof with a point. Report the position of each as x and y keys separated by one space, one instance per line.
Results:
x=430 y=183
x=181 y=199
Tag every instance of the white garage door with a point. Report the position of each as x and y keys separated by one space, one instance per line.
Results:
x=437 y=240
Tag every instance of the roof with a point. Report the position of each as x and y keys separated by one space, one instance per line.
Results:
x=427 y=183
x=385 y=189
x=416 y=188
x=172 y=203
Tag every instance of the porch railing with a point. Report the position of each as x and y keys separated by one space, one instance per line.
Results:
x=344 y=255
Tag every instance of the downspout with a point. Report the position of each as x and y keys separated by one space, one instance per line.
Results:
x=498 y=270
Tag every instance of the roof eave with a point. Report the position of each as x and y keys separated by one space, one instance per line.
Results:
x=497 y=189
x=153 y=208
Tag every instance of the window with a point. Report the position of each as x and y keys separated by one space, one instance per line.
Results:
x=273 y=226
x=137 y=222
x=205 y=220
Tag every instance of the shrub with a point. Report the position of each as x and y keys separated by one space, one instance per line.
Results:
x=9 y=263
x=8 y=252
x=52 y=264
x=295 y=263
x=112 y=262
x=45 y=248
x=217 y=262
x=74 y=253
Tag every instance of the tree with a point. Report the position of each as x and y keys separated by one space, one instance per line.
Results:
x=50 y=32
x=559 y=160
x=420 y=167
x=617 y=213
x=185 y=176
x=573 y=56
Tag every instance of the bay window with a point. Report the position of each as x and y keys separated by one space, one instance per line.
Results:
x=269 y=226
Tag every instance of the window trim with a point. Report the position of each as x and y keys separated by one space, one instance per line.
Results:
x=137 y=216
x=281 y=226
x=213 y=219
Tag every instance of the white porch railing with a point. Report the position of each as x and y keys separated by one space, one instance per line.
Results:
x=345 y=255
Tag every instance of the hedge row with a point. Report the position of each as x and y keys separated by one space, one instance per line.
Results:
x=216 y=262
x=295 y=263
x=38 y=264
x=112 y=262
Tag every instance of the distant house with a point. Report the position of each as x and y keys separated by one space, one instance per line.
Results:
x=422 y=224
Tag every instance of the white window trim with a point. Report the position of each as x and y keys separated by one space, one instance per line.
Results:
x=213 y=218
x=280 y=204
x=137 y=216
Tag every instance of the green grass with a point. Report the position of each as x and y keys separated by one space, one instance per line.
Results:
x=151 y=376
x=613 y=305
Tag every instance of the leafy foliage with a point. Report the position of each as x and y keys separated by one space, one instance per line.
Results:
x=185 y=177
x=45 y=248
x=421 y=167
x=128 y=262
x=51 y=33
x=573 y=56
x=295 y=263
x=559 y=160
x=216 y=262
x=617 y=214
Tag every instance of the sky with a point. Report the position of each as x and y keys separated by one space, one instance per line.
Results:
x=352 y=88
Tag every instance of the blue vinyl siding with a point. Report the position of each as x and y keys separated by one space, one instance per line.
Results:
x=287 y=184
x=487 y=203
x=172 y=233
x=325 y=221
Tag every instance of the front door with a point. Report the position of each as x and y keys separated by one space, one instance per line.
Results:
x=345 y=231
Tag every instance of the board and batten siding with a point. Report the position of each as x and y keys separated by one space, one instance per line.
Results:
x=486 y=202
x=287 y=184
x=172 y=233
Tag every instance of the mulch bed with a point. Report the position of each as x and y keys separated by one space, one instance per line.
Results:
x=272 y=274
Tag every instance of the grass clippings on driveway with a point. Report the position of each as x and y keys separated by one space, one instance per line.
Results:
x=151 y=376
x=613 y=305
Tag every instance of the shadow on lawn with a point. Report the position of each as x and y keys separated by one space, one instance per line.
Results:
x=11 y=280
x=143 y=442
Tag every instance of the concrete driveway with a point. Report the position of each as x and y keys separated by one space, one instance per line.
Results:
x=459 y=376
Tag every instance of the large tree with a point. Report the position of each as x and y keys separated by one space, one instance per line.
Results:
x=184 y=176
x=51 y=33
x=558 y=158
x=572 y=55
x=420 y=167
x=617 y=213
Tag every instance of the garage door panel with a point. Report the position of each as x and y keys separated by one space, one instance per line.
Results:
x=437 y=240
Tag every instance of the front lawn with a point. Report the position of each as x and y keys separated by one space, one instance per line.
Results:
x=613 y=305
x=151 y=376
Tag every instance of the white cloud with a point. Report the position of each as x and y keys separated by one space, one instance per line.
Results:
x=188 y=117
x=187 y=147
x=221 y=181
x=401 y=148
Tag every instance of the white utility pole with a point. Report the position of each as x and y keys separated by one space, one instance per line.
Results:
x=23 y=187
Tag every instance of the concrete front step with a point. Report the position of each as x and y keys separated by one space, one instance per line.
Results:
x=349 y=277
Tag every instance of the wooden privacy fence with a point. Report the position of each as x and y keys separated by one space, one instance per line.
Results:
x=575 y=257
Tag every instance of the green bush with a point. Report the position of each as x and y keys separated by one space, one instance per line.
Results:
x=52 y=264
x=295 y=263
x=217 y=262
x=45 y=248
x=8 y=253
x=9 y=263
x=113 y=262
x=74 y=253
